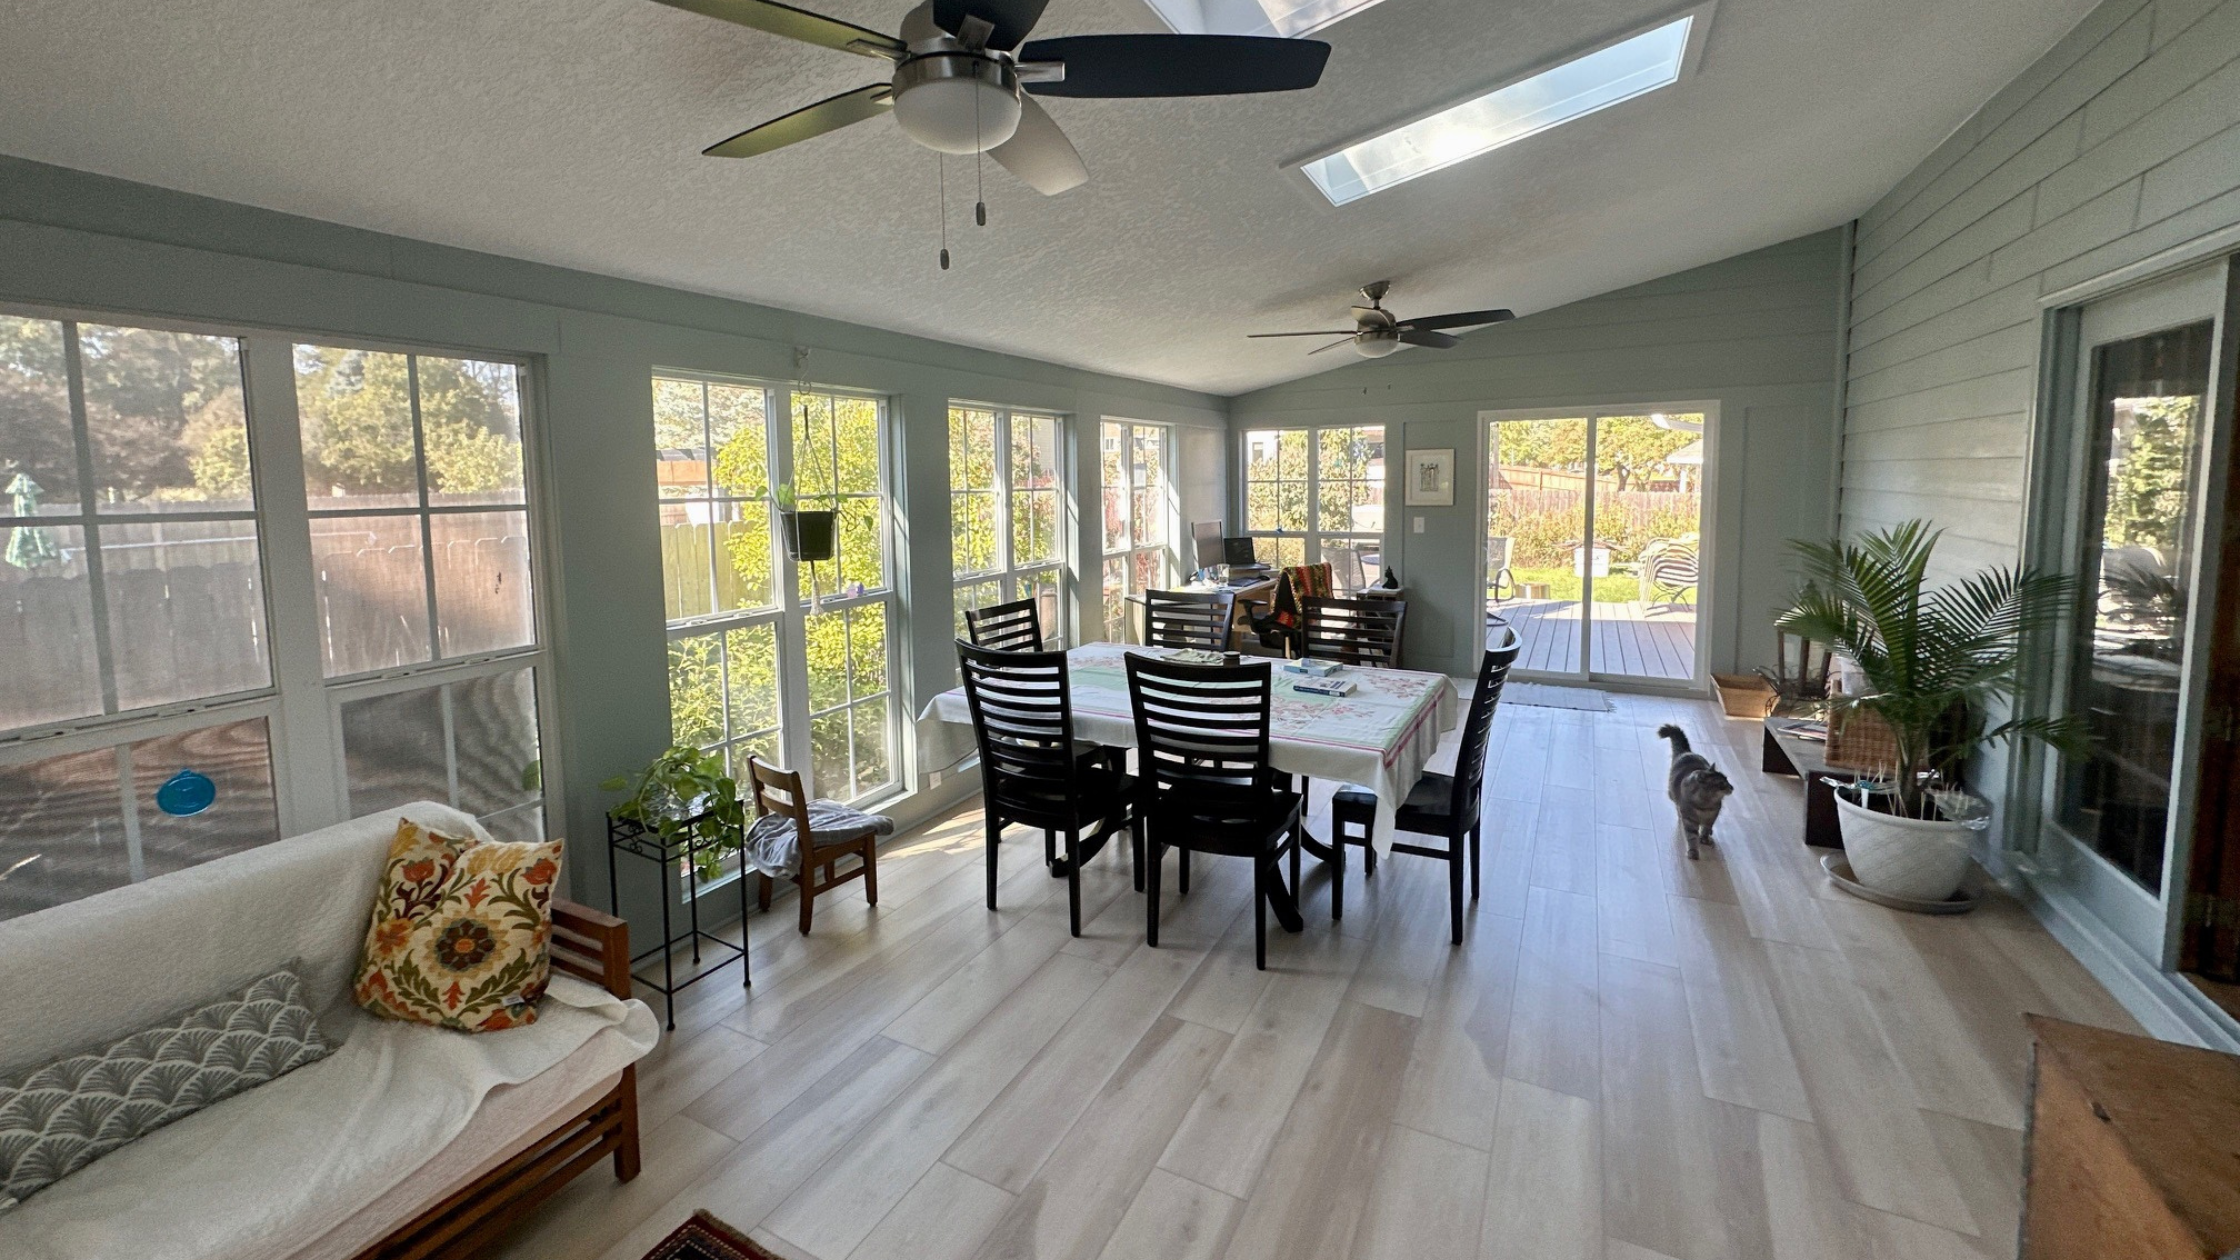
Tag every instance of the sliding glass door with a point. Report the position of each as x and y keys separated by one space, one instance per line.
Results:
x=2134 y=527
x=1593 y=550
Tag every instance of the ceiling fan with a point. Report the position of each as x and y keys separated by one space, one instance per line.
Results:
x=1378 y=332
x=963 y=71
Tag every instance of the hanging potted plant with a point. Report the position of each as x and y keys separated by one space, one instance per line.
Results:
x=808 y=533
x=688 y=802
x=1932 y=664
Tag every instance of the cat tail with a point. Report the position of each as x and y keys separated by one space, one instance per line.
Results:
x=1678 y=737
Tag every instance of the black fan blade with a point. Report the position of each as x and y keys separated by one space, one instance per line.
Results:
x=1177 y=65
x=1039 y=154
x=1012 y=19
x=809 y=28
x=1460 y=319
x=826 y=115
x=1332 y=333
x=1332 y=346
x=1435 y=340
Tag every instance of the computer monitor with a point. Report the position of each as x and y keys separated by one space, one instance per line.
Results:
x=1238 y=551
x=1205 y=538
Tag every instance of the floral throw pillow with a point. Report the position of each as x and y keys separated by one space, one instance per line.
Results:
x=461 y=932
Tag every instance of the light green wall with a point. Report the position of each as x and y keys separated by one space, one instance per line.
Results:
x=1756 y=333
x=2121 y=142
x=84 y=242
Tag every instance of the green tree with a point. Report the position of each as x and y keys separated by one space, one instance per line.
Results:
x=2147 y=492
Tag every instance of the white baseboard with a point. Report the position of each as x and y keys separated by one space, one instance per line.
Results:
x=2163 y=1003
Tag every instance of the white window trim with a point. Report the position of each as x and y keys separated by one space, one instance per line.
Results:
x=792 y=606
x=302 y=706
x=1014 y=579
x=1314 y=535
x=1168 y=509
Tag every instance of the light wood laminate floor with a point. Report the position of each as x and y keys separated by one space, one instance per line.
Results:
x=1632 y=1057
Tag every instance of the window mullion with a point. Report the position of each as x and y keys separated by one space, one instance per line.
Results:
x=427 y=526
x=307 y=759
x=793 y=628
x=97 y=585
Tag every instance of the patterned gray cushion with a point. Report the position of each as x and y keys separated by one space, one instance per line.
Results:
x=61 y=1117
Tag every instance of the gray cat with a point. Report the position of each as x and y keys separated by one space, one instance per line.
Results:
x=1696 y=787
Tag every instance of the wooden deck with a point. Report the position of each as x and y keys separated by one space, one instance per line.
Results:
x=1632 y=639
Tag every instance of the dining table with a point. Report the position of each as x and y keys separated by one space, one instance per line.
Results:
x=1380 y=735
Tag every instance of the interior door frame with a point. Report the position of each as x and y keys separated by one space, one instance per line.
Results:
x=2147 y=922
x=1709 y=576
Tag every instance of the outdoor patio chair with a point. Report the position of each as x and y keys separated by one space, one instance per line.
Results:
x=1669 y=565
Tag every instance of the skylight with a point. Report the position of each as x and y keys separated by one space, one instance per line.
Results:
x=1620 y=72
x=1286 y=18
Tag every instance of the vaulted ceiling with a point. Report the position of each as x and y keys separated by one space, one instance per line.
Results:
x=568 y=132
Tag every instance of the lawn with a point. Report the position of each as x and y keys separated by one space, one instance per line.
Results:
x=1564 y=584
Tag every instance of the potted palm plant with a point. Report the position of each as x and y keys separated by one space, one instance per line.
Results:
x=1935 y=662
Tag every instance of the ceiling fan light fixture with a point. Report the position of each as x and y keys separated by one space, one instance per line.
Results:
x=1376 y=343
x=957 y=103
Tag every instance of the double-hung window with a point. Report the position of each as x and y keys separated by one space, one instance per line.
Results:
x=197 y=551
x=788 y=660
x=1006 y=471
x=1317 y=495
x=1139 y=514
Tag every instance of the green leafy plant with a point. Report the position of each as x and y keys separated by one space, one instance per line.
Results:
x=1936 y=661
x=783 y=494
x=686 y=797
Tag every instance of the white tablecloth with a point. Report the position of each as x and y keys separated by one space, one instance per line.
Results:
x=1380 y=737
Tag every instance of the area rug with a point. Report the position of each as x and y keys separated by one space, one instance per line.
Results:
x=706 y=1238
x=1543 y=696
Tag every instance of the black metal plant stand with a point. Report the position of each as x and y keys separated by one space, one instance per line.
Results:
x=628 y=835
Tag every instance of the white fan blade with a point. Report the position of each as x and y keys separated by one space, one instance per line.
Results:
x=1039 y=154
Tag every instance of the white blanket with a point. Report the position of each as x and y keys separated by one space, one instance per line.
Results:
x=263 y=1173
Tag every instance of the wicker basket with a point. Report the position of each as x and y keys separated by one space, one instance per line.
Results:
x=1745 y=695
x=1859 y=739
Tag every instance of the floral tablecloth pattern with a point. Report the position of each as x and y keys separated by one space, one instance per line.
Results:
x=1380 y=737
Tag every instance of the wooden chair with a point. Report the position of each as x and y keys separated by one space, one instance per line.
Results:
x=1352 y=631
x=1188 y=619
x=779 y=792
x=1446 y=805
x=1030 y=774
x=1206 y=786
x=1012 y=627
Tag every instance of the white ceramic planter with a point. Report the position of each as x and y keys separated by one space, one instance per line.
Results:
x=1905 y=857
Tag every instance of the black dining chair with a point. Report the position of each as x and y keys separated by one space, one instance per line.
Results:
x=1012 y=627
x=1188 y=619
x=1017 y=627
x=1446 y=805
x=1022 y=721
x=1205 y=782
x=1352 y=631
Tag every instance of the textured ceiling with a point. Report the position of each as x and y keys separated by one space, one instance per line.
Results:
x=568 y=131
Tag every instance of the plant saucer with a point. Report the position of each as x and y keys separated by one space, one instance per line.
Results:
x=1839 y=871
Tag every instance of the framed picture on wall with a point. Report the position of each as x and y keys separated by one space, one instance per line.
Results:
x=1431 y=478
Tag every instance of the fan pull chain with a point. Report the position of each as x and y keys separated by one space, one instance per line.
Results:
x=941 y=173
x=979 y=163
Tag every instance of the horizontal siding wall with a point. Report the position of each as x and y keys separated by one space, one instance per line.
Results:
x=2121 y=142
x=1756 y=332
